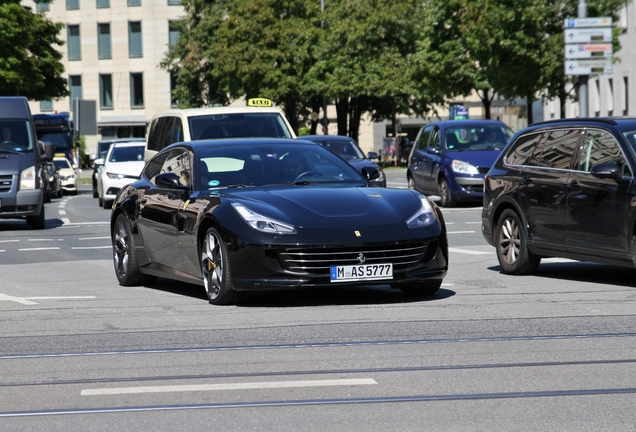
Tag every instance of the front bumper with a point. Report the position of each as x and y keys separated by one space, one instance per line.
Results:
x=23 y=203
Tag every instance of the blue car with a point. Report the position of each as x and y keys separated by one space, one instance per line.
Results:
x=450 y=158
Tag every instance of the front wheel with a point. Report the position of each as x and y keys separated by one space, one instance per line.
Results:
x=215 y=267
x=446 y=198
x=37 y=222
x=411 y=183
x=124 y=257
x=512 y=249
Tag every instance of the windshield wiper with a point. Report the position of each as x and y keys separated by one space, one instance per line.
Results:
x=9 y=151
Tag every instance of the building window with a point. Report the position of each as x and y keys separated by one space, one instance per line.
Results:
x=103 y=41
x=103 y=3
x=41 y=6
x=106 y=91
x=135 y=46
x=173 y=34
x=626 y=96
x=72 y=4
x=75 y=87
x=136 y=90
x=46 y=105
x=134 y=2
x=73 y=41
x=174 y=2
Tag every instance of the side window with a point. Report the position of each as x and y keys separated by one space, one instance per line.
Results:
x=164 y=133
x=178 y=162
x=177 y=130
x=558 y=149
x=152 y=135
x=435 y=142
x=521 y=151
x=153 y=167
x=599 y=147
x=423 y=138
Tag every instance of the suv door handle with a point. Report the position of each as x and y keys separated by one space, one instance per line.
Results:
x=574 y=185
x=527 y=179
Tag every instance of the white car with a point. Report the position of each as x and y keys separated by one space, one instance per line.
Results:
x=122 y=165
x=68 y=174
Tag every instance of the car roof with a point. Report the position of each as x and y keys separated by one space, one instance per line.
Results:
x=224 y=142
x=121 y=140
x=467 y=122
x=620 y=123
x=194 y=112
x=128 y=144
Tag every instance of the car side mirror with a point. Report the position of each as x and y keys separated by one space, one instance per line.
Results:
x=607 y=170
x=99 y=162
x=432 y=150
x=170 y=180
x=49 y=151
x=373 y=155
x=370 y=173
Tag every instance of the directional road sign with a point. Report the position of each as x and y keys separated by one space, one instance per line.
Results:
x=588 y=67
x=588 y=35
x=586 y=51
x=588 y=22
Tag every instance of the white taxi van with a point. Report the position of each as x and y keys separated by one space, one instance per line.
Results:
x=259 y=119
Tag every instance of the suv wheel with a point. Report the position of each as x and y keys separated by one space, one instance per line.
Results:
x=511 y=243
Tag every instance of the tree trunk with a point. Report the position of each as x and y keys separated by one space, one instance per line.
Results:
x=530 y=100
x=486 y=100
x=315 y=107
x=354 y=121
x=342 y=110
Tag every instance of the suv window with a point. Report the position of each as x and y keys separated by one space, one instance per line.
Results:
x=423 y=139
x=558 y=149
x=521 y=151
x=598 y=147
x=435 y=142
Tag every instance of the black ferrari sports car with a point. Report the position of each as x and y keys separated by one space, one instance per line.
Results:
x=271 y=214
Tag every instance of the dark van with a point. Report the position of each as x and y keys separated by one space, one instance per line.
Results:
x=21 y=164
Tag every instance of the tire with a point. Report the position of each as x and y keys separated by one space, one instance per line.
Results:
x=47 y=196
x=37 y=222
x=215 y=268
x=58 y=194
x=421 y=288
x=100 y=202
x=511 y=245
x=124 y=257
x=446 y=198
x=411 y=183
x=95 y=192
x=108 y=204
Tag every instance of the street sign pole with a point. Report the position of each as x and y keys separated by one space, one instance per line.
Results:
x=582 y=89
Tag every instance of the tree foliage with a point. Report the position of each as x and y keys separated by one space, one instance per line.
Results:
x=30 y=65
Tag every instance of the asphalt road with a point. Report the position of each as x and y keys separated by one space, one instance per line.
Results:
x=553 y=351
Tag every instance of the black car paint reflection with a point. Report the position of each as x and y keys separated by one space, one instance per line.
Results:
x=199 y=214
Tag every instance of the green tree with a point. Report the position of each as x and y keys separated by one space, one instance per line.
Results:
x=29 y=62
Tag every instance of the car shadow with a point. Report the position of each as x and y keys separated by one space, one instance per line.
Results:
x=351 y=295
x=582 y=272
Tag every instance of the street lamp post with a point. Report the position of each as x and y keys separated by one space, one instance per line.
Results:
x=582 y=86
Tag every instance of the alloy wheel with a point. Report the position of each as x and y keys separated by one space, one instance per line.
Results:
x=212 y=265
x=510 y=241
x=121 y=249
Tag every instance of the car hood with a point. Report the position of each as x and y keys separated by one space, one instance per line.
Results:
x=132 y=168
x=320 y=206
x=477 y=158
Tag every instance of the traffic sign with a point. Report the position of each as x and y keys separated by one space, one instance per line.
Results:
x=586 y=51
x=588 y=35
x=588 y=66
x=588 y=22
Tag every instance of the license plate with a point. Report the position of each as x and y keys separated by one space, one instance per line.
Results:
x=361 y=272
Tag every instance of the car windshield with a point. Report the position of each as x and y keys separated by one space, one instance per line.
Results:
x=468 y=137
x=256 y=125
x=261 y=165
x=127 y=154
x=348 y=150
x=62 y=163
x=16 y=136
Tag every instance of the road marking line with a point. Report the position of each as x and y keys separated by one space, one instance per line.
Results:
x=229 y=386
x=62 y=212
x=460 y=232
x=28 y=300
x=38 y=249
x=9 y=241
x=472 y=223
x=66 y=221
x=91 y=247
x=469 y=252
x=44 y=239
x=94 y=238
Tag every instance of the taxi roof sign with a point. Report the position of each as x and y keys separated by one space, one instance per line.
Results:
x=259 y=102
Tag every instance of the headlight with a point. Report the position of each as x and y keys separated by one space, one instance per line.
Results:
x=115 y=176
x=27 y=178
x=381 y=177
x=424 y=216
x=462 y=167
x=263 y=223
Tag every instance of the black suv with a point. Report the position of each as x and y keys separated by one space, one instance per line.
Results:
x=564 y=188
